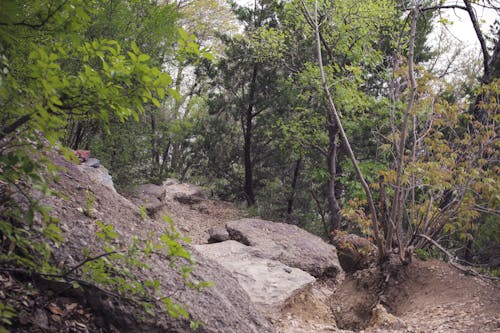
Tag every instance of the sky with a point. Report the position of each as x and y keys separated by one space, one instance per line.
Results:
x=462 y=30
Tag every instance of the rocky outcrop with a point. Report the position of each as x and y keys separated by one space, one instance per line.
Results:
x=287 y=244
x=269 y=283
x=223 y=307
x=218 y=234
x=272 y=261
x=97 y=173
x=155 y=197
x=149 y=196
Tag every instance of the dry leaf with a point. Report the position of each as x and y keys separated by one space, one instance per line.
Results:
x=80 y=325
x=55 y=318
x=71 y=307
x=55 y=309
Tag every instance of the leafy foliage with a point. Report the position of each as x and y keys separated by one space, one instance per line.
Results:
x=61 y=69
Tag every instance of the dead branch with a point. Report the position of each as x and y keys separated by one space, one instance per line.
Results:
x=452 y=261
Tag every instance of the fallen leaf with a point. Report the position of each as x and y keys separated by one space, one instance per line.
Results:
x=71 y=307
x=80 y=325
x=55 y=318
x=55 y=309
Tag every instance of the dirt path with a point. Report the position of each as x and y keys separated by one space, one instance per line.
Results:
x=195 y=220
x=435 y=297
x=429 y=297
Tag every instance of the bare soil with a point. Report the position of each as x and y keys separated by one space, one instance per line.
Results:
x=194 y=221
x=427 y=297
x=432 y=296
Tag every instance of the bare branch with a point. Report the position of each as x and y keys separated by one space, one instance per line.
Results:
x=43 y=22
x=88 y=260
x=452 y=260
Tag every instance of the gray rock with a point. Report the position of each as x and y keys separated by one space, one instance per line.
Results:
x=184 y=193
x=92 y=162
x=269 y=283
x=99 y=175
x=223 y=307
x=150 y=196
x=287 y=244
x=218 y=234
x=150 y=190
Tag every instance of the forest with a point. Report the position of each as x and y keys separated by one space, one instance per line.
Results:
x=359 y=117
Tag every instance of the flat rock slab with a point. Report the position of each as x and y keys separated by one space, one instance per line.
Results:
x=269 y=283
x=287 y=244
x=184 y=193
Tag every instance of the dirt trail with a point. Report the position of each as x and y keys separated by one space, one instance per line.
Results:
x=430 y=296
x=195 y=220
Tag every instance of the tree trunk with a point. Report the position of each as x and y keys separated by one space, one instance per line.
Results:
x=331 y=161
x=247 y=125
x=333 y=113
x=295 y=178
x=155 y=154
x=398 y=203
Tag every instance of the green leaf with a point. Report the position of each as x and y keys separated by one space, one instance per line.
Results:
x=143 y=57
x=174 y=93
x=155 y=102
x=134 y=47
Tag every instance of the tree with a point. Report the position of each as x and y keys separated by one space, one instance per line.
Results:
x=348 y=36
x=248 y=81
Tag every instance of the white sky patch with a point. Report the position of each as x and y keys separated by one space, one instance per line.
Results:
x=456 y=42
x=461 y=28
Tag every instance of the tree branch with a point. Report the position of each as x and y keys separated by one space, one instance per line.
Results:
x=42 y=23
x=12 y=127
x=452 y=261
x=480 y=37
x=442 y=7
x=88 y=260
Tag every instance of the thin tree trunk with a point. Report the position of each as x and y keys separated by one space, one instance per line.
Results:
x=335 y=116
x=155 y=154
x=331 y=161
x=247 y=124
x=295 y=178
x=399 y=194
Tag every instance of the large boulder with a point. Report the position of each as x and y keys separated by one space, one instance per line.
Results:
x=225 y=306
x=155 y=197
x=269 y=283
x=218 y=234
x=287 y=244
x=149 y=196
x=97 y=173
x=184 y=193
